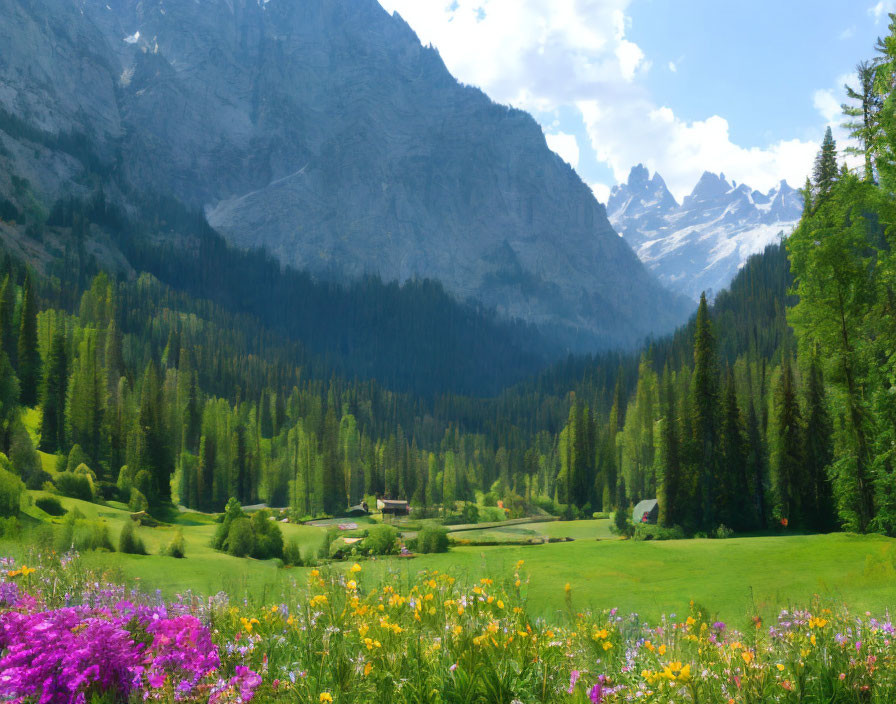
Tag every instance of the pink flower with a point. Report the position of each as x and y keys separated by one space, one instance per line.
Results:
x=573 y=678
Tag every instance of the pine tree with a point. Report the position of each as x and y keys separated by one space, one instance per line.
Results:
x=818 y=451
x=672 y=490
x=757 y=467
x=28 y=352
x=735 y=513
x=787 y=440
x=704 y=408
x=864 y=124
x=825 y=171
x=8 y=328
x=52 y=429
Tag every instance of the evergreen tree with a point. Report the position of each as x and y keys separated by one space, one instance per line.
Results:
x=864 y=123
x=825 y=171
x=788 y=477
x=8 y=328
x=672 y=493
x=818 y=451
x=28 y=352
x=734 y=511
x=52 y=430
x=704 y=408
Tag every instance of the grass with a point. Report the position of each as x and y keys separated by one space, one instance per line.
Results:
x=731 y=578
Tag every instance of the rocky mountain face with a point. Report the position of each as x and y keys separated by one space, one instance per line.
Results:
x=323 y=131
x=700 y=244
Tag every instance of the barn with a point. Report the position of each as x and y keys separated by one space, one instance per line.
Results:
x=647 y=511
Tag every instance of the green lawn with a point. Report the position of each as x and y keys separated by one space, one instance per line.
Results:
x=729 y=577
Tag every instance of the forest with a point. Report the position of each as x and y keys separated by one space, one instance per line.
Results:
x=200 y=379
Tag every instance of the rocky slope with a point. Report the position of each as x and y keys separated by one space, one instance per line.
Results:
x=700 y=244
x=324 y=132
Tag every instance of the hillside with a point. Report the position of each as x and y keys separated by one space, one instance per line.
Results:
x=326 y=134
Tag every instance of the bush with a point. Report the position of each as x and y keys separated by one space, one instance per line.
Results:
x=240 y=540
x=600 y=515
x=21 y=452
x=91 y=535
x=292 y=553
x=36 y=480
x=470 y=513
x=74 y=486
x=381 y=540
x=546 y=504
x=723 y=532
x=137 y=501
x=647 y=531
x=109 y=491
x=267 y=537
x=177 y=547
x=432 y=539
x=232 y=512
x=491 y=514
x=10 y=527
x=11 y=489
x=330 y=537
x=490 y=499
x=50 y=505
x=129 y=542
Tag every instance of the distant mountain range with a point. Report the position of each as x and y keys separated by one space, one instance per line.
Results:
x=325 y=133
x=699 y=244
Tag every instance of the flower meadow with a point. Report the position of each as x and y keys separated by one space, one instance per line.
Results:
x=71 y=635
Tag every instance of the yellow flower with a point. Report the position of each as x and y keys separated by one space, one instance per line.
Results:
x=607 y=645
x=747 y=655
x=27 y=570
x=315 y=573
x=325 y=697
x=662 y=649
x=367 y=668
x=355 y=568
x=351 y=585
x=500 y=604
x=520 y=563
x=780 y=667
x=567 y=588
x=362 y=629
x=458 y=630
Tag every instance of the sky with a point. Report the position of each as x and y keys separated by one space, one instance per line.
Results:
x=682 y=86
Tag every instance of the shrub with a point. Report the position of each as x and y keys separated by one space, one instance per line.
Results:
x=129 y=542
x=109 y=491
x=329 y=538
x=11 y=489
x=76 y=457
x=381 y=540
x=240 y=540
x=491 y=514
x=36 y=480
x=49 y=505
x=490 y=499
x=267 y=537
x=470 y=513
x=432 y=539
x=600 y=515
x=723 y=532
x=10 y=527
x=21 y=452
x=646 y=531
x=232 y=512
x=177 y=547
x=622 y=525
x=91 y=535
x=137 y=501
x=292 y=553
x=75 y=486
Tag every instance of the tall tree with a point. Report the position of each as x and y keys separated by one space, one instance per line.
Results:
x=28 y=352
x=863 y=123
x=704 y=408
x=818 y=451
x=52 y=430
x=788 y=476
x=825 y=171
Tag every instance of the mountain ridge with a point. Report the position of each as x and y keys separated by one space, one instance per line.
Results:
x=701 y=243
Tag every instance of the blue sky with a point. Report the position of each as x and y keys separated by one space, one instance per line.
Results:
x=680 y=85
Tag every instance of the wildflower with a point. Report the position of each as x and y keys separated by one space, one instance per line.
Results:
x=573 y=678
x=325 y=697
x=355 y=568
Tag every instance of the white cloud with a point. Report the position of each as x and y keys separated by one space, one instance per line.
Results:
x=881 y=9
x=848 y=33
x=827 y=105
x=601 y=192
x=566 y=145
x=672 y=67
x=543 y=55
x=534 y=54
x=681 y=151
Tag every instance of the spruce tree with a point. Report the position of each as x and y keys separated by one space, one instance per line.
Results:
x=704 y=408
x=818 y=451
x=52 y=429
x=8 y=328
x=787 y=467
x=825 y=171
x=28 y=352
x=671 y=494
x=735 y=512
x=864 y=122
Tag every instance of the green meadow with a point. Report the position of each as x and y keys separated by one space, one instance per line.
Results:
x=732 y=578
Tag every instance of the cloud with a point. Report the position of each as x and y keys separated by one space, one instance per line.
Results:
x=601 y=192
x=672 y=67
x=534 y=54
x=639 y=132
x=566 y=145
x=827 y=105
x=848 y=33
x=881 y=9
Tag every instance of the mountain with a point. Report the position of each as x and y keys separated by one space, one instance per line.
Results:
x=325 y=133
x=700 y=244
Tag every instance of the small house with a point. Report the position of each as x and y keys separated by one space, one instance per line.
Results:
x=392 y=507
x=647 y=511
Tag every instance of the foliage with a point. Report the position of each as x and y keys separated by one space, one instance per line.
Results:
x=129 y=542
x=11 y=490
x=381 y=539
x=177 y=547
x=50 y=505
x=432 y=539
x=75 y=486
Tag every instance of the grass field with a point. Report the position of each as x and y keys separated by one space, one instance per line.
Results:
x=732 y=578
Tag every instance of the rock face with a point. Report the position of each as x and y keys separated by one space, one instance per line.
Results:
x=700 y=245
x=323 y=131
